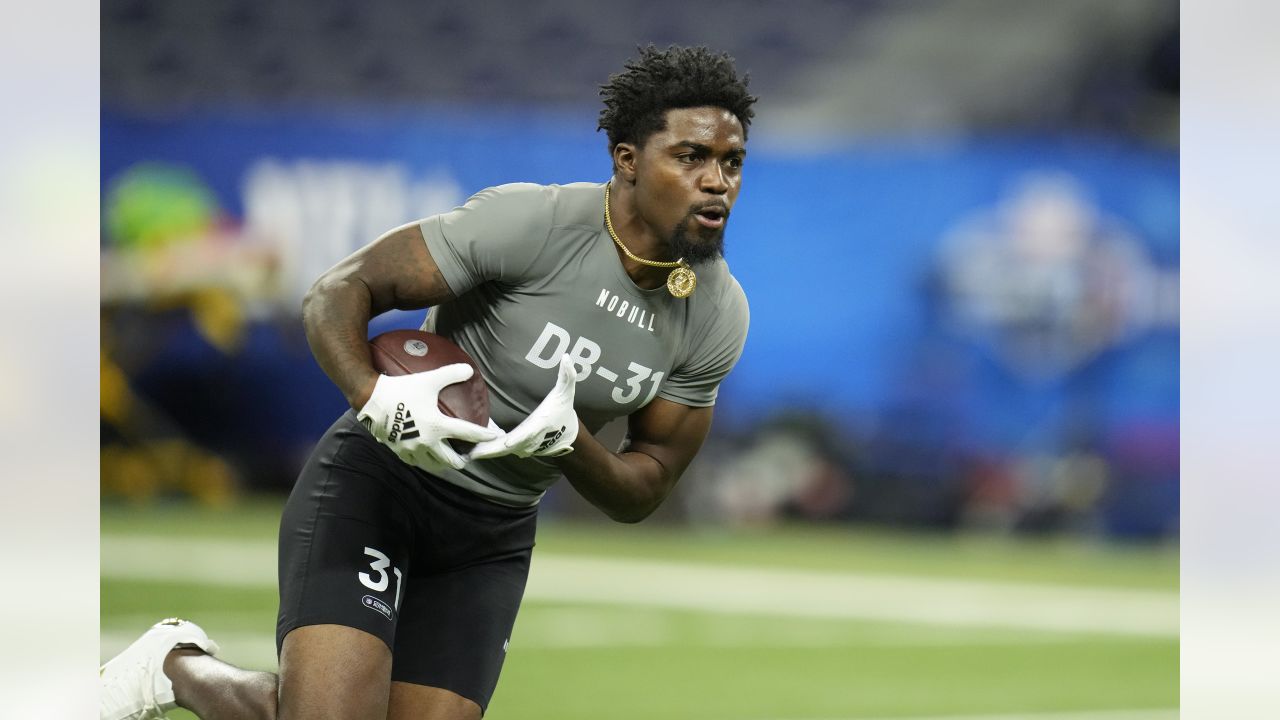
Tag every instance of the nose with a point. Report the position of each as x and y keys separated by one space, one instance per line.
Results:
x=713 y=180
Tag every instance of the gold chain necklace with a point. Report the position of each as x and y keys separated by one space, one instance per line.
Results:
x=681 y=281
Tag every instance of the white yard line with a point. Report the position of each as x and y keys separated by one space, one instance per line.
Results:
x=798 y=593
x=717 y=588
x=256 y=651
x=555 y=627
x=1153 y=714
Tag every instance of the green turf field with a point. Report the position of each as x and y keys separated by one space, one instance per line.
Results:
x=632 y=622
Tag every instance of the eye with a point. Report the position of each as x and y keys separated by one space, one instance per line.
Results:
x=734 y=163
x=688 y=158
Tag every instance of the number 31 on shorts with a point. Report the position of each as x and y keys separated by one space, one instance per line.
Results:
x=379 y=582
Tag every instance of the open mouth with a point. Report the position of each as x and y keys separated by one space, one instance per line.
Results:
x=711 y=217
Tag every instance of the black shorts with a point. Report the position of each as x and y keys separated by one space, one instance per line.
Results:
x=436 y=571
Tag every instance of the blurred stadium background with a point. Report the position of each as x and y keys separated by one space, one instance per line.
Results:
x=943 y=480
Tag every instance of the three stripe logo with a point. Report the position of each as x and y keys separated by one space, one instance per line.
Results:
x=402 y=425
x=550 y=438
x=410 y=427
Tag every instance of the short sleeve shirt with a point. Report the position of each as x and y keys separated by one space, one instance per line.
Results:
x=535 y=275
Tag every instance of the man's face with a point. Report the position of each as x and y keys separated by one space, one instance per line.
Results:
x=688 y=177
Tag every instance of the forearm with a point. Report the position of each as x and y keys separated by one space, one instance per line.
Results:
x=335 y=314
x=627 y=486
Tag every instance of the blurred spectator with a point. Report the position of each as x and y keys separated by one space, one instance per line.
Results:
x=1047 y=281
x=792 y=467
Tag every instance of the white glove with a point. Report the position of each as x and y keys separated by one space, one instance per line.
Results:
x=550 y=429
x=403 y=414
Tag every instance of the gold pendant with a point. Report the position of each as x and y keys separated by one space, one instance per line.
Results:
x=682 y=281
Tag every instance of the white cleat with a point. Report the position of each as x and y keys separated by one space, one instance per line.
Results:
x=132 y=685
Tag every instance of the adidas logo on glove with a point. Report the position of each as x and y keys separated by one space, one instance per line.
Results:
x=402 y=421
x=550 y=439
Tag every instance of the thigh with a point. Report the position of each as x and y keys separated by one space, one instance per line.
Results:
x=345 y=539
x=456 y=628
x=334 y=672
x=419 y=702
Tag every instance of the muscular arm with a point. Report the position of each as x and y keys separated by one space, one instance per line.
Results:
x=394 y=271
x=628 y=486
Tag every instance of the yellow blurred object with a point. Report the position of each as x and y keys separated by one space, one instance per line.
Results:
x=210 y=480
x=219 y=317
x=129 y=473
x=116 y=398
x=139 y=474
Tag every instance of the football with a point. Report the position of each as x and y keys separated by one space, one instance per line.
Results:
x=402 y=352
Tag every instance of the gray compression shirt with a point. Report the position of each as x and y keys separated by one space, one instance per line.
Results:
x=535 y=275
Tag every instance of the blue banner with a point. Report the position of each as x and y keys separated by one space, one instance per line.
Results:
x=1000 y=294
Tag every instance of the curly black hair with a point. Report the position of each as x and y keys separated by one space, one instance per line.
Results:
x=636 y=100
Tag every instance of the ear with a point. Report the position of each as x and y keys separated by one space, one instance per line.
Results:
x=624 y=162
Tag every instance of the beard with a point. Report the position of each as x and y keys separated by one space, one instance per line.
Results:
x=704 y=245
